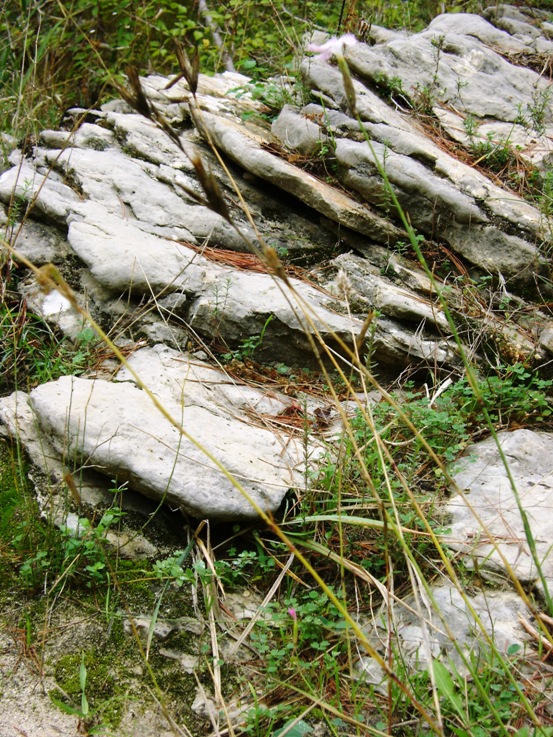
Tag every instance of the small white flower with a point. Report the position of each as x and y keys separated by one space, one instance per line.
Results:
x=333 y=47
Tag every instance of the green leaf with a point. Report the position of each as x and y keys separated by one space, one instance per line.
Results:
x=298 y=730
x=82 y=674
x=446 y=686
x=64 y=707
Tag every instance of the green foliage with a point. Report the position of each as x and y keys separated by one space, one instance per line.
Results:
x=56 y=55
x=493 y=152
x=12 y=483
x=274 y=93
x=392 y=88
x=381 y=464
x=541 y=190
x=477 y=708
x=237 y=568
x=82 y=711
x=74 y=50
x=299 y=633
x=171 y=569
x=293 y=728
x=538 y=109
x=249 y=346
x=79 y=557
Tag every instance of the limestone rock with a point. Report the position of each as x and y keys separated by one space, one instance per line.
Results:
x=450 y=624
x=115 y=428
x=116 y=204
x=243 y=148
x=488 y=528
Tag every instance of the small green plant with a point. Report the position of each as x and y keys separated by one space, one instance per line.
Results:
x=493 y=152
x=521 y=118
x=541 y=190
x=425 y=95
x=539 y=107
x=220 y=299
x=470 y=124
x=83 y=712
x=249 y=346
x=299 y=633
x=393 y=89
x=171 y=569
x=275 y=93
x=478 y=708
x=80 y=557
x=90 y=690
x=424 y=98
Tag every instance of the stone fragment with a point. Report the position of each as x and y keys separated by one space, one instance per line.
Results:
x=447 y=624
x=298 y=133
x=40 y=243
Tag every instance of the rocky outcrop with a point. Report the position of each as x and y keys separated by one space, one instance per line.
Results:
x=312 y=262
x=312 y=254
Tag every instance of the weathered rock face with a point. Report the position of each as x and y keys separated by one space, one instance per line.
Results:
x=97 y=422
x=114 y=427
x=490 y=532
x=116 y=204
x=445 y=626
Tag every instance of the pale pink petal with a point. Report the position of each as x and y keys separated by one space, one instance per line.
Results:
x=333 y=46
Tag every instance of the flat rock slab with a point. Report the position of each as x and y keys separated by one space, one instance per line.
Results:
x=114 y=427
x=487 y=525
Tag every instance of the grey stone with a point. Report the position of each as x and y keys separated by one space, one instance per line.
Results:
x=427 y=198
x=233 y=302
x=474 y=26
x=297 y=132
x=357 y=278
x=131 y=189
x=546 y=338
x=444 y=624
x=49 y=196
x=245 y=150
x=40 y=243
x=496 y=252
x=521 y=24
x=454 y=69
x=487 y=524
x=447 y=623
x=460 y=193
x=115 y=429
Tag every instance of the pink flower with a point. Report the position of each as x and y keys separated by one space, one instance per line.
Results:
x=292 y=613
x=333 y=47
